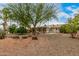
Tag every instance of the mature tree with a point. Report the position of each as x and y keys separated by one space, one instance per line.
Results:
x=30 y=15
x=5 y=16
x=74 y=25
x=71 y=27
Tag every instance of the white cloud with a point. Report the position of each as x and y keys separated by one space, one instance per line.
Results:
x=60 y=15
x=63 y=14
x=70 y=8
x=55 y=22
x=75 y=11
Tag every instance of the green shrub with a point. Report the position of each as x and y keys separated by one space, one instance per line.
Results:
x=73 y=28
x=67 y=28
x=62 y=29
x=12 y=28
x=21 y=30
x=2 y=34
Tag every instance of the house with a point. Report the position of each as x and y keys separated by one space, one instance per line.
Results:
x=55 y=28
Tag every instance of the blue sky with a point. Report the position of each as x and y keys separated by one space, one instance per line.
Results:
x=67 y=10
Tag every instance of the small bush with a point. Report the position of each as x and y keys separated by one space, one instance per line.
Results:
x=21 y=30
x=62 y=29
x=67 y=28
x=12 y=28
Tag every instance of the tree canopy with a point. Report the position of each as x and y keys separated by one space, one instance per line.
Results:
x=32 y=14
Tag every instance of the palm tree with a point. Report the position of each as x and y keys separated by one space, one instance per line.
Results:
x=30 y=15
x=5 y=16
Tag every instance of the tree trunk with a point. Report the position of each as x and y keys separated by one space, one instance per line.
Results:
x=5 y=26
x=34 y=36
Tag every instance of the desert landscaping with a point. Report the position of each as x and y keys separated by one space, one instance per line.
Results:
x=25 y=30
x=47 y=44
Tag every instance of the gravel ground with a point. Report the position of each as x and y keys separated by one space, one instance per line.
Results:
x=46 y=45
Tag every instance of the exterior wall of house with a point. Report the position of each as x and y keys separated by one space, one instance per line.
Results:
x=49 y=29
x=54 y=28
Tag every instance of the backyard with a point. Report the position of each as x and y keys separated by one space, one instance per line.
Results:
x=47 y=44
x=31 y=29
